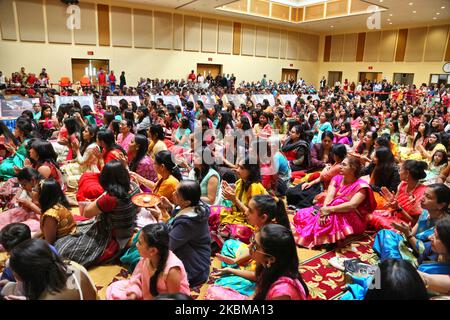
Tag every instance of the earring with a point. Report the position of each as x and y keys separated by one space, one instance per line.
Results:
x=268 y=265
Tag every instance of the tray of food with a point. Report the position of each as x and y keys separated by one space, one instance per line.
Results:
x=145 y=199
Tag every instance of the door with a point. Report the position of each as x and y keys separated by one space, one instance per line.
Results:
x=370 y=76
x=334 y=76
x=289 y=74
x=404 y=78
x=205 y=69
x=89 y=67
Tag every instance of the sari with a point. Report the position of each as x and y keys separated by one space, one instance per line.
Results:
x=382 y=219
x=309 y=233
x=235 y=249
x=124 y=142
x=17 y=160
x=388 y=244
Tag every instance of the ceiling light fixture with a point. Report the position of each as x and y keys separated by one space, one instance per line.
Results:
x=410 y=3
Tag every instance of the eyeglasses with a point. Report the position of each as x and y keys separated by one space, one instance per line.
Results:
x=253 y=246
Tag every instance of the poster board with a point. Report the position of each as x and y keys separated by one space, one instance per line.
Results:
x=14 y=108
x=288 y=97
x=237 y=99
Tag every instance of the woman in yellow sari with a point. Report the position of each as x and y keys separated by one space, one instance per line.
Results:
x=248 y=186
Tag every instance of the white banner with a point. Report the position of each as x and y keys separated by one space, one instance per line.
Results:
x=259 y=98
x=173 y=100
x=114 y=100
x=83 y=100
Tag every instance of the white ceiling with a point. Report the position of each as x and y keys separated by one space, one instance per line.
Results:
x=401 y=11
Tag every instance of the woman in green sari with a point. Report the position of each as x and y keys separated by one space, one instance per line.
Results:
x=18 y=153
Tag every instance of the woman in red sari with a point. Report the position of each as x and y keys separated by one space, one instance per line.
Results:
x=89 y=187
x=405 y=205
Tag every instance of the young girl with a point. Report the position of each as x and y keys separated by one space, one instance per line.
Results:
x=57 y=220
x=26 y=207
x=47 y=123
x=344 y=135
x=159 y=271
x=437 y=164
x=139 y=162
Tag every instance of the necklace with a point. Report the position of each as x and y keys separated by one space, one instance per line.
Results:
x=412 y=198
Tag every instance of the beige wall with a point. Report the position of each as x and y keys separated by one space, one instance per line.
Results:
x=350 y=70
x=141 y=62
x=153 y=43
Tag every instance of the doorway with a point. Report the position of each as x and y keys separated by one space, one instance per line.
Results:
x=89 y=67
x=333 y=77
x=370 y=76
x=440 y=79
x=289 y=74
x=205 y=69
x=404 y=78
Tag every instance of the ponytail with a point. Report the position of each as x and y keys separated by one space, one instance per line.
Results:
x=274 y=208
x=281 y=214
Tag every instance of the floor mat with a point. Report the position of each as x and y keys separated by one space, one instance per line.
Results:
x=326 y=282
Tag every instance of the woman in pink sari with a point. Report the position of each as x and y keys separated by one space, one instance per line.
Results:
x=343 y=213
x=126 y=134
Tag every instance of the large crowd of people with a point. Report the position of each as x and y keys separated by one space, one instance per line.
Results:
x=246 y=184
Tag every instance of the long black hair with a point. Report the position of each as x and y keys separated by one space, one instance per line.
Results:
x=254 y=173
x=39 y=268
x=200 y=173
x=45 y=152
x=443 y=231
x=144 y=110
x=278 y=242
x=426 y=133
x=86 y=143
x=156 y=130
x=416 y=168
x=226 y=120
x=115 y=179
x=4 y=131
x=71 y=125
x=107 y=137
x=274 y=209
x=165 y=158
x=385 y=166
x=398 y=280
x=141 y=142
x=50 y=194
x=157 y=236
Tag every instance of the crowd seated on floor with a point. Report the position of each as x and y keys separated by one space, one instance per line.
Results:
x=245 y=184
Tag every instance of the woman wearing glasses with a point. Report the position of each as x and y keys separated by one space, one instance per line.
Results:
x=275 y=253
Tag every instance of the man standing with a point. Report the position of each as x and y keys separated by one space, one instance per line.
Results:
x=323 y=83
x=2 y=81
x=264 y=81
x=123 y=81
x=101 y=76
x=192 y=76
x=112 y=81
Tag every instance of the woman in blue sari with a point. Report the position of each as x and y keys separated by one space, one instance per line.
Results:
x=436 y=257
x=320 y=127
x=410 y=243
x=22 y=133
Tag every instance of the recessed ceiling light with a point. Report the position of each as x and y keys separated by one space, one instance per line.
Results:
x=438 y=13
x=388 y=19
x=410 y=3
x=414 y=11
x=434 y=18
x=390 y=22
x=390 y=15
x=442 y=7
x=332 y=26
